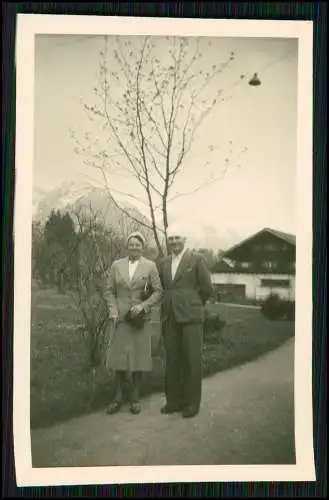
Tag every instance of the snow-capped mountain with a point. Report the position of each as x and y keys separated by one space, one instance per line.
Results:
x=38 y=195
x=73 y=196
x=59 y=198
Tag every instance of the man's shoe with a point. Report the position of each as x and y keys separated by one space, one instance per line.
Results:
x=168 y=410
x=113 y=407
x=190 y=412
x=135 y=407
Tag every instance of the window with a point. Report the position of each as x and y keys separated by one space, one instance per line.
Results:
x=231 y=292
x=275 y=283
x=270 y=246
x=269 y=265
x=245 y=265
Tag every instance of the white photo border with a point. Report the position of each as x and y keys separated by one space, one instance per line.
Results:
x=29 y=25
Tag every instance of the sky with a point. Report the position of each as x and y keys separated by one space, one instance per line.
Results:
x=257 y=191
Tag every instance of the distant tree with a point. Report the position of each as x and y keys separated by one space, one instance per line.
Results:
x=39 y=263
x=208 y=255
x=219 y=255
x=59 y=241
x=59 y=228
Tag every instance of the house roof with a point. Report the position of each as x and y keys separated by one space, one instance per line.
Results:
x=289 y=238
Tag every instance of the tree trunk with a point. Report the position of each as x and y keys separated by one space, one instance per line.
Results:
x=60 y=283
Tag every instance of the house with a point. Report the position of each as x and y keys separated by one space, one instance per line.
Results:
x=259 y=265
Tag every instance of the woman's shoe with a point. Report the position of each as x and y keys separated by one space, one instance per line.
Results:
x=113 y=407
x=135 y=407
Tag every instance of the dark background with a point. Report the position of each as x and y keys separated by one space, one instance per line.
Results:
x=228 y=10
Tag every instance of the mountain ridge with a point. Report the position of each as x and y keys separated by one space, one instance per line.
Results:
x=73 y=196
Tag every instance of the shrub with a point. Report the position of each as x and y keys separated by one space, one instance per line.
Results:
x=213 y=327
x=275 y=308
x=290 y=310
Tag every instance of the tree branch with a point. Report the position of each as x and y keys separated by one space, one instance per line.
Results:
x=141 y=135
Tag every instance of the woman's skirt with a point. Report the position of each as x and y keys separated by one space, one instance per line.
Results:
x=129 y=349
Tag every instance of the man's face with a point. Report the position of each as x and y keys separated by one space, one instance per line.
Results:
x=176 y=243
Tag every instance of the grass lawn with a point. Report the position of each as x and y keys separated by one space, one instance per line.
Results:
x=63 y=386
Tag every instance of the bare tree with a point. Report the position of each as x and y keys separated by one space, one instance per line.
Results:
x=149 y=112
x=98 y=247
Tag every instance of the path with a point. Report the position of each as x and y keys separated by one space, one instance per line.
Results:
x=244 y=306
x=247 y=417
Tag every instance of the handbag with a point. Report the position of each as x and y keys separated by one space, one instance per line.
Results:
x=138 y=321
x=147 y=291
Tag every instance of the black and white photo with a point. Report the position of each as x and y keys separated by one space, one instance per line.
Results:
x=163 y=239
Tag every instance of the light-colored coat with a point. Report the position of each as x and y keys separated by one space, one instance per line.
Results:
x=130 y=349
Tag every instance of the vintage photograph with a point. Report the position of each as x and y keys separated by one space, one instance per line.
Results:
x=163 y=250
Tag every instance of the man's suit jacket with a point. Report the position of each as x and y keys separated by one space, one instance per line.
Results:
x=186 y=294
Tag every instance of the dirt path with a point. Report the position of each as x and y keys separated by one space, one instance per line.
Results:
x=247 y=417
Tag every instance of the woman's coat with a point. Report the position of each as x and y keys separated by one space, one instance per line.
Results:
x=130 y=348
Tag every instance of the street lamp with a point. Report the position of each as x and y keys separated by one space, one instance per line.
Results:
x=254 y=81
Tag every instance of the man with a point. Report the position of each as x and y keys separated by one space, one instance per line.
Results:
x=187 y=286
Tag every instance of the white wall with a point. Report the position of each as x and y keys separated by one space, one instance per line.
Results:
x=254 y=290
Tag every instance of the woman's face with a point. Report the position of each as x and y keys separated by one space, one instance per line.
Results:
x=135 y=248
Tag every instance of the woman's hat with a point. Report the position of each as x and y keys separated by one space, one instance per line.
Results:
x=138 y=236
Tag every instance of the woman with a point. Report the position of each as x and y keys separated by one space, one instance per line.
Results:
x=130 y=346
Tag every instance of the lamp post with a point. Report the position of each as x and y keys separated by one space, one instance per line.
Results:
x=255 y=81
